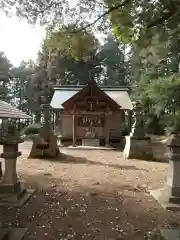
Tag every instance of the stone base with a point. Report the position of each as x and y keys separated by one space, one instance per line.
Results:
x=43 y=149
x=91 y=148
x=16 y=199
x=170 y=234
x=10 y=188
x=165 y=234
x=12 y=233
x=138 y=148
x=93 y=142
x=167 y=202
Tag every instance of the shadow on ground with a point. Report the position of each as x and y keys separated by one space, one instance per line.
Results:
x=65 y=158
x=87 y=215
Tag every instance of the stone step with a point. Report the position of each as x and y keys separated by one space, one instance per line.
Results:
x=4 y=233
x=17 y=233
x=170 y=234
x=12 y=233
x=90 y=142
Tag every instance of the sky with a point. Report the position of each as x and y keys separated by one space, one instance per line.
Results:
x=19 y=40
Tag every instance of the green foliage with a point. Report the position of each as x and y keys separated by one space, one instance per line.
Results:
x=64 y=40
x=124 y=130
x=72 y=58
x=161 y=100
x=5 y=64
x=18 y=84
x=146 y=55
x=113 y=62
x=131 y=20
x=5 y=68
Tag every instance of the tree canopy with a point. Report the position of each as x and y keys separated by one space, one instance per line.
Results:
x=140 y=48
x=128 y=17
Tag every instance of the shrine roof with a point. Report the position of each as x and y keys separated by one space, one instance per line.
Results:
x=9 y=111
x=119 y=94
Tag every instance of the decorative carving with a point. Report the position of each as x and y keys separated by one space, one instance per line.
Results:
x=92 y=102
x=87 y=121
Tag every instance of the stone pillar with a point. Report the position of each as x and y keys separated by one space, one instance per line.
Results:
x=1 y=169
x=11 y=191
x=107 y=130
x=107 y=144
x=138 y=145
x=173 y=177
x=46 y=130
x=9 y=182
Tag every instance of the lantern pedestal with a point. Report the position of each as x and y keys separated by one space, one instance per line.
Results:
x=138 y=145
x=45 y=145
x=138 y=148
x=169 y=196
x=11 y=191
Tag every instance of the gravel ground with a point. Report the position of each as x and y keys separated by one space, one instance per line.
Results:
x=90 y=194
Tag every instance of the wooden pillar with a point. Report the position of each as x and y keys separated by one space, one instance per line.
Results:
x=74 y=126
x=107 y=127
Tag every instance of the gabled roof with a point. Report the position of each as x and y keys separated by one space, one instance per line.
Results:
x=79 y=87
x=91 y=86
x=119 y=94
x=9 y=111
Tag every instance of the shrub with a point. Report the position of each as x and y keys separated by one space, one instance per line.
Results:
x=154 y=125
x=124 y=130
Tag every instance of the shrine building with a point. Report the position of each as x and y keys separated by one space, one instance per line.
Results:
x=90 y=114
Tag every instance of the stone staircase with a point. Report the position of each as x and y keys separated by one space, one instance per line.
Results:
x=91 y=142
x=12 y=233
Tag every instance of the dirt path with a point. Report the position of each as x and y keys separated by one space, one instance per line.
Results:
x=90 y=195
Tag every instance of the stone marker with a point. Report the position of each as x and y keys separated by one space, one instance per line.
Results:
x=138 y=145
x=169 y=196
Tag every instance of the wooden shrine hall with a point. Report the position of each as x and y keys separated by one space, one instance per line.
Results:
x=90 y=115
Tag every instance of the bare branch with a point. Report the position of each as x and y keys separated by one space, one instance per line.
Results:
x=124 y=3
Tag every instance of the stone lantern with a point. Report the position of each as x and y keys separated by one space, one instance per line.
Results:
x=11 y=191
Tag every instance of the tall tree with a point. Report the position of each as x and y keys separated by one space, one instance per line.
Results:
x=73 y=58
x=21 y=76
x=5 y=76
x=114 y=62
